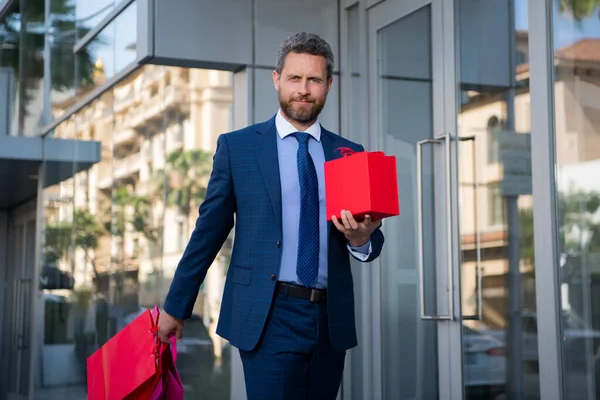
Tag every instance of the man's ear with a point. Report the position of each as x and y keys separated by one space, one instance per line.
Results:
x=329 y=82
x=276 y=78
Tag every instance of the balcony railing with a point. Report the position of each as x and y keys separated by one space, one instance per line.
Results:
x=124 y=136
x=127 y=166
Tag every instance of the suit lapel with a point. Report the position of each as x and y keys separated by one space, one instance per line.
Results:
x=328 y=142
x=268 y=161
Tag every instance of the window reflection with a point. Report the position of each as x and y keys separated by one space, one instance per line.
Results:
x=74 y=75
x=21 y=59
x=577 y=136
x=496 y=203
x=91 y=12
x=115 y=232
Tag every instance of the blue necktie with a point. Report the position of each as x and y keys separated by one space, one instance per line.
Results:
x=308 y=239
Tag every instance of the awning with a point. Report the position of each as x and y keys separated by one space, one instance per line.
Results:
x=21 y=157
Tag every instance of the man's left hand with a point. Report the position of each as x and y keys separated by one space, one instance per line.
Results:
x=357 y=233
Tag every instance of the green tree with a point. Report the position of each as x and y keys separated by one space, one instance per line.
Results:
x=187 y=175
x=578 y=228
x=57 y=242
x=83 y=233
x=131 y=214
x=579 y=9
x=526 y=235
x=87 y=231
x=186 y=183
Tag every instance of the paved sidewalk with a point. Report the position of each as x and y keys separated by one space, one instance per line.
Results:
x=61 y=393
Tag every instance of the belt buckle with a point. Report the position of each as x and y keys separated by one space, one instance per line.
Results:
x=314 y=296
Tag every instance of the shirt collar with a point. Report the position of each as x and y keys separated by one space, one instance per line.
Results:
x=285 y=128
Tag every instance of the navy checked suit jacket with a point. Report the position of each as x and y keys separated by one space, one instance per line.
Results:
x=245 y=183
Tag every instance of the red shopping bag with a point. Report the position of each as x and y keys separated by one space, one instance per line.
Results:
x=169 y=387
x=132 y=364
x=362 y=183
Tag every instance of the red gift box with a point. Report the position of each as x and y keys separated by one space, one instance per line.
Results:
x=364 y=183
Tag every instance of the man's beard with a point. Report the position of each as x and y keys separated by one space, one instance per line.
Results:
x=308 y=113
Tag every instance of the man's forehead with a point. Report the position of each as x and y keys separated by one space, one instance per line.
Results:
x=303 y=65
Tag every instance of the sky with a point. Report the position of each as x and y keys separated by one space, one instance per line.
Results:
x=118 y=35
x=566 y=31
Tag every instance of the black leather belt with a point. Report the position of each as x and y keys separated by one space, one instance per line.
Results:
x=307 y=293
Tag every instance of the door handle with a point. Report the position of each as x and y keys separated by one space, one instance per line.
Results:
x=446 y=139
x=479 y=315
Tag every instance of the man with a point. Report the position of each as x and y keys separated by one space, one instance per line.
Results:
x=288 y=302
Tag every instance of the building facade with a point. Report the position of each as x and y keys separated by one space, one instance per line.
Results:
x=489 y=283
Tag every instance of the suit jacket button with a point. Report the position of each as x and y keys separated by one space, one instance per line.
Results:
x=278 y=243
x=273 y=277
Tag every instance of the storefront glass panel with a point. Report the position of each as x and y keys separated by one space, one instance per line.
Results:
x=114 y=233
x=576 y=85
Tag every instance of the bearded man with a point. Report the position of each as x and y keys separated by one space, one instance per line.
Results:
x=288 y=302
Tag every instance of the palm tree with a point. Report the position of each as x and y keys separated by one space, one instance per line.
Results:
x=122 y=220
x=22 y=42
x=187 y=175
x=186 y=179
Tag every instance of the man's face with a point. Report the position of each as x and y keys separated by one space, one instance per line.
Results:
x=302 y=87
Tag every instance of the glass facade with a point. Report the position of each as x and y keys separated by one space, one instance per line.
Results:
x=113 y=234
x=22 y=44
x=576 y=89
x=495 y=201
x=499 y=196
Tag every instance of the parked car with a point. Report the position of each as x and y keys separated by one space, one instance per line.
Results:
x=485 y=364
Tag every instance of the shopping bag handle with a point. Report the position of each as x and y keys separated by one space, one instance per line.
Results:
x=345 y=151
x=173 y=341
x=159 y=346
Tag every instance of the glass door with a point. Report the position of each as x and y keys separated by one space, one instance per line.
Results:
x=495 y=202
x=19 y=305
x=420 y=343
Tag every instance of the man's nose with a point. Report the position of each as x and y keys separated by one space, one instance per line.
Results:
x=303 y=88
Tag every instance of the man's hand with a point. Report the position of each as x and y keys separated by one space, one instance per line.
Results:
x=357 y=233
x=168 y=325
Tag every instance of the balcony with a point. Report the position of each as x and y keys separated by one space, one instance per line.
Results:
x=124 y=136
x=105 y=179
x=127 y=166
x=154 y=105
x=123 y=102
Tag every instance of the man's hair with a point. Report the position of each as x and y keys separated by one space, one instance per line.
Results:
x=305 y=43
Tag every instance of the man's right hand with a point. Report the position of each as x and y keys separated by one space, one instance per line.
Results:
x=168 y=325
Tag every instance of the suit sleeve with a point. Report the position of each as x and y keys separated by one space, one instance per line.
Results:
x=215 y=221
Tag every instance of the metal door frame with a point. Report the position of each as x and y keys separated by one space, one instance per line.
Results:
x=22 y=217
x=449 y=324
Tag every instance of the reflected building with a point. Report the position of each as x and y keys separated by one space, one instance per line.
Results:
x=151 y=127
